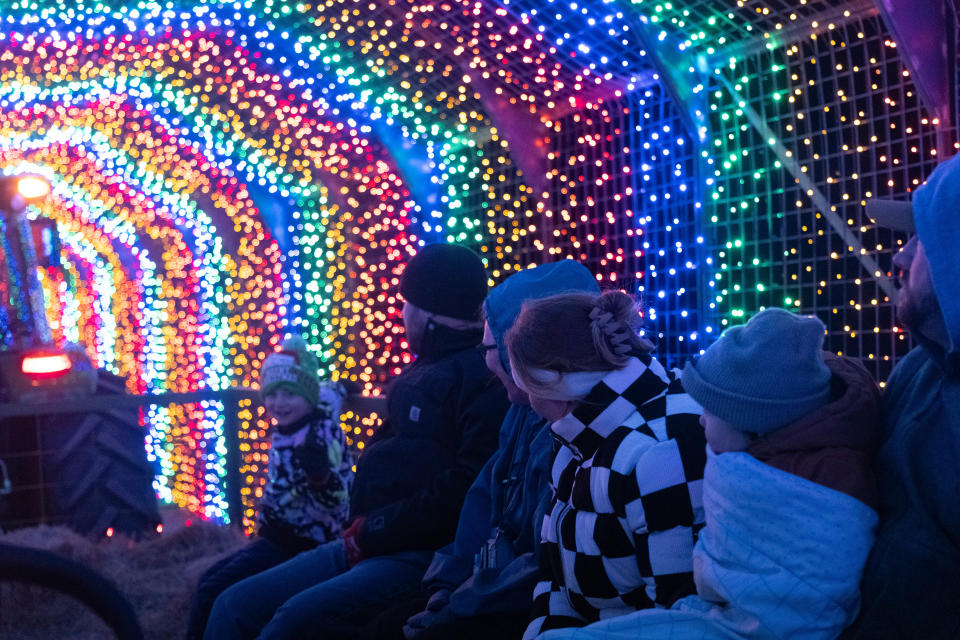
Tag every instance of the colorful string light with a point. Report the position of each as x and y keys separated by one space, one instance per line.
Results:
x=227 y=172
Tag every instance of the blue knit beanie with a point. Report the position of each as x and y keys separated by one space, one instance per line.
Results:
x=503 y=305
x=938 y=227
x=762 y=375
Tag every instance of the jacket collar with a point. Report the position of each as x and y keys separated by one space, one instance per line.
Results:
x=947 y=361
x=610 y=403
x=439 y=341
x=850 y=421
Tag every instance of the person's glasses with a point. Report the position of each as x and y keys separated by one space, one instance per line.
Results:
x=483 y=348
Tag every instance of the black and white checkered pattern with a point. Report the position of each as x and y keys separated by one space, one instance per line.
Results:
x=627 y=500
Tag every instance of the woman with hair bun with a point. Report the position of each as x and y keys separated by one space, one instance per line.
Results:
x=626 y=481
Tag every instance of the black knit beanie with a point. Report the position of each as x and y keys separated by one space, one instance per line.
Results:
x=446 y=279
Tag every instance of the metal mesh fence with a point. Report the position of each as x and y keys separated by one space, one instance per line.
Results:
x=802 y=136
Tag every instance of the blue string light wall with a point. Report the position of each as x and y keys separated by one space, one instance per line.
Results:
x=625 y=182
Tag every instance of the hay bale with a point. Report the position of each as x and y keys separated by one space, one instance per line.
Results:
x=156 y=575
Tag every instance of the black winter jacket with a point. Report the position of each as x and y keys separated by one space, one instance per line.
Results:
x=444 y=415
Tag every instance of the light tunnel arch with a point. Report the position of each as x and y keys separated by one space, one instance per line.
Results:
x=545 y=141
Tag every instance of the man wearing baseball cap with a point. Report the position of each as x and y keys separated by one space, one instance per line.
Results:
x=911 y=585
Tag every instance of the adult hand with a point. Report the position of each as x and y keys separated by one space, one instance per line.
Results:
x=351 y=541
x=437 y=612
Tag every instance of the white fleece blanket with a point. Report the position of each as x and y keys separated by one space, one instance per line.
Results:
x=780 y=557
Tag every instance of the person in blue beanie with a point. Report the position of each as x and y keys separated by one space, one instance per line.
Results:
x=910 y=586
x=480 y=585
x=792 y=432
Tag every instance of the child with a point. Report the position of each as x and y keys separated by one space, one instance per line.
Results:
x=306 y=499
x=788 y=489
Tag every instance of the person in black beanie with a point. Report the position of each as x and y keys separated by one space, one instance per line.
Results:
x=445 y=282
x=444 y=414
x=446 y=279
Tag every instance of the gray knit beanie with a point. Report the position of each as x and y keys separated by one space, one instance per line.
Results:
x=762 y=375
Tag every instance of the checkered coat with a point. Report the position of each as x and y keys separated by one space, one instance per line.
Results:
x=627 y=501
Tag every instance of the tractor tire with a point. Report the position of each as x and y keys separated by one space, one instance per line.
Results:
x=102 y=482
x=47 y=569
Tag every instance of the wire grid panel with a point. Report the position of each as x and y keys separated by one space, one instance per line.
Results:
x=506 y=209
x=836 y=121
x=712 y=27
x=598 y=34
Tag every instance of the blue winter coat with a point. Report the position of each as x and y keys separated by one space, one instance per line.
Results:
x=492 y=565
x=502 y=513
x=911 y=587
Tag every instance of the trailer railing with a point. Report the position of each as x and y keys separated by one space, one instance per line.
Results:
x=230 y=398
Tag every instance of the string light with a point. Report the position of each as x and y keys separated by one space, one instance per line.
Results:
x=226 y=172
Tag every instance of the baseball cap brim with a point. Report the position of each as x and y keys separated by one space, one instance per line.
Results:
x=892 y=214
